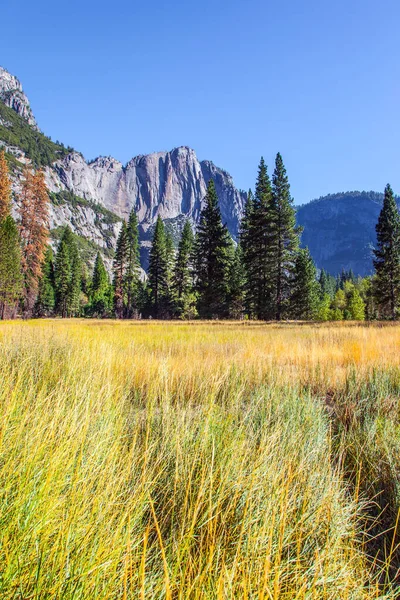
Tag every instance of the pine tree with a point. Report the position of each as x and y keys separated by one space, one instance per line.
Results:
x=119 y=270
x=158 y=271
x=68 y=276
x=10 y=267
x=132 y=272
x=5 y=188
x=258 y=241
x=305 y=297
x=249 y=256
x=287 y=237
x=45 y=303
x=99 y=304
x=170 y=255
x=182 y=280
x=183 y=272
x=34 y=233
x=62 y=277
x=387 y=257
x=237 y=287
x=264 y=231
x=74 y=296
x=213 y=247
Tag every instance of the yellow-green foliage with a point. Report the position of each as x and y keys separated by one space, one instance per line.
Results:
x=200 y=460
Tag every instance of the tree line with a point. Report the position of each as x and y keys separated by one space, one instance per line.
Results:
x=266 y=275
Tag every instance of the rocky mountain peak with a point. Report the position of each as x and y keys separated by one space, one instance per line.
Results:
x=12 y=95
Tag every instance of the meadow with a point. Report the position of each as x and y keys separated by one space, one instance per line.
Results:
x=199 y=460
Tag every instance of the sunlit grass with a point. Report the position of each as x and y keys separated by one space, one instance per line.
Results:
x=198 y=460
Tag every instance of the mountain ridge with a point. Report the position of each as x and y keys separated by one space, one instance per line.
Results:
x=339 y=228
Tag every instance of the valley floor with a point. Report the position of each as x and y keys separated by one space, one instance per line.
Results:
x=199 y=460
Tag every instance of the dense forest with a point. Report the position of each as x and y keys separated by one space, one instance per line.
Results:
x=266 y=275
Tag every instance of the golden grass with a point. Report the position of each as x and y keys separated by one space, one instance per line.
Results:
x=197 y=460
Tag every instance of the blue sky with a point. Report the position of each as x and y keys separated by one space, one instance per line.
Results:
x=317 y=80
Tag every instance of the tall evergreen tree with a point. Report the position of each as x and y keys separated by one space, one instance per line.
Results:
x=250 y=256
x=183 y=275
x=99 y=304
x=45 y=303
x=237 y=287
x=287 y=237
x=264 y=232
x=258 y=245
x=62 y=277
x=158 y=271
x=132 y=281
x=170 y=255
x=68 y=276
x=305 y=297
x=213 y=257
x=327 y=284
x=74 y=298
x=182 y=280
x=387 y=257
x=10 y=267
x=119 y=271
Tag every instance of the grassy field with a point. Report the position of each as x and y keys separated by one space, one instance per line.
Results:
x=199 y=460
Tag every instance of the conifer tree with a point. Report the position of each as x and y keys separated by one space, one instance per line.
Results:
x=287 y=237
x=46 y=299
x=10 y=267
x=68 y=276
x=387 y=257
x=213 y=256
x=182 y=280
x=5 y=188
x=74 y=297
x=132 y=281
x=119 y=271
x=158 y=271
x=237 y=287
x=34 y=233
x=304 y=301
x=62 y=277
x=99 y=305
x=249 y=255
x=183 y=275
x=264 y=232
x=258 y=241
x=170 y=253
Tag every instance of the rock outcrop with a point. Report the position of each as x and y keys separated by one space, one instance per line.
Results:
x=12 y=95
x=169 y=184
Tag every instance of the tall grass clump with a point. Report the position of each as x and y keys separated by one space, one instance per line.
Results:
x=189 y=461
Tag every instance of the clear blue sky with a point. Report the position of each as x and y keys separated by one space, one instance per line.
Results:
x=317 y=80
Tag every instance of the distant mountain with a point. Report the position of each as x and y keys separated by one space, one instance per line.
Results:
x=339 y=230
x=93 y=197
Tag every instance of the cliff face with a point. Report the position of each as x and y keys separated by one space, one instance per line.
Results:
x=12 y=95
x=169 y=184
